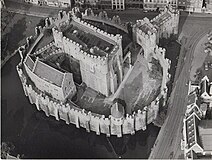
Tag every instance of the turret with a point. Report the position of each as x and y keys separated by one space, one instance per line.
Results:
x=117 y=114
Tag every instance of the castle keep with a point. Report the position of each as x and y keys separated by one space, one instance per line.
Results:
x=77 y=66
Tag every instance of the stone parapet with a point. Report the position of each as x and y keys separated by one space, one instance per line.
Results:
x=71 y=114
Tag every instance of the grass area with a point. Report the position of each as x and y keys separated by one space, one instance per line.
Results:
x=142 y=86
x=14 y=35
x=6 y=17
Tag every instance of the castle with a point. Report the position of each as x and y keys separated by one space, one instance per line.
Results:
x=81 y=71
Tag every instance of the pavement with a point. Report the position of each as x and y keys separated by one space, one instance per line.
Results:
x=168 y=141
x=29 y=9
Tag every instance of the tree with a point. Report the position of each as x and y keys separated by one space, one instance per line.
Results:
x=6 y=148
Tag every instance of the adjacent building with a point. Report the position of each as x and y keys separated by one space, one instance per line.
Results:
x=159 y=4
x=197 y=129
x=118 y=4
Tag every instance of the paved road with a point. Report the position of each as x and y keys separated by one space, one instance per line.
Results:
x=29 y=9
x=167 y=144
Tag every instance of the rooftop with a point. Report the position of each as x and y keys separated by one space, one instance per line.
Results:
x=160 y=20
x=29 y=62
x=191 y=125
x=205 y=133
x=117 y=110
x=145 y=28
x=48 y=73
x=192 y=98
x=88 y=40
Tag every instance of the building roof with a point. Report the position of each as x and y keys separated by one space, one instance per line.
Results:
x=146 y=27
x=204 y=86
x=191 y=127
x=48 y=73
x=117 y=110
x=205 y=133
x=29 y=62
x=88 y=40
x=192 y=98
x=160 y=20
x=194 y=109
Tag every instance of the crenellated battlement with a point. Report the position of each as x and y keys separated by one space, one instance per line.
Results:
x=102 y=17
x=101 y=60
x=112 y=37
x=160 y=50
x=45 y=48
x=145 y=21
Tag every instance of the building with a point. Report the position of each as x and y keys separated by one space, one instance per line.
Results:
x=148 y=32
x=57 y=84
x=199 y=6
x=198 y=137
x=134 y=4
x=197 y=130
x=118 y=4
x=159 y=4
x=87 y=64
x=208 y=4
x=206 y=90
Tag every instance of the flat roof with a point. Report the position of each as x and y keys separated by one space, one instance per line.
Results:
x=88 y=40
x=145 y=28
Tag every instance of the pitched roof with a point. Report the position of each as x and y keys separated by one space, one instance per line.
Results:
x=204 y=85
x=48 y=73
x=117 y=110
x=192 y=98
x=191 y=133
x=29 y=62
x=205 y=133
x=160 y=20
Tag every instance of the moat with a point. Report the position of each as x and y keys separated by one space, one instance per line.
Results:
x=47 y=137
x=37 y=136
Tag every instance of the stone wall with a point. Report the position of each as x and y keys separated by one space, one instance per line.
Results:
x=103 y=18
x=71 y=114
x=170 y=25
x=146 y=40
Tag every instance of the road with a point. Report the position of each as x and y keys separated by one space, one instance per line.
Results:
x=29 y=9
x=167 y=144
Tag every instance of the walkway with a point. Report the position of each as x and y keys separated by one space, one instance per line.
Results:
x=167 y=144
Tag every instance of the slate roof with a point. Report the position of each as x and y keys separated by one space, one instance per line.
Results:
x=29 y=62
x=160 y=20
x=205 y=133
x=48 y=73
x=192 y=98
x=117 y=110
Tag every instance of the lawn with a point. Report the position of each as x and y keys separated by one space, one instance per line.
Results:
x=18 y=27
